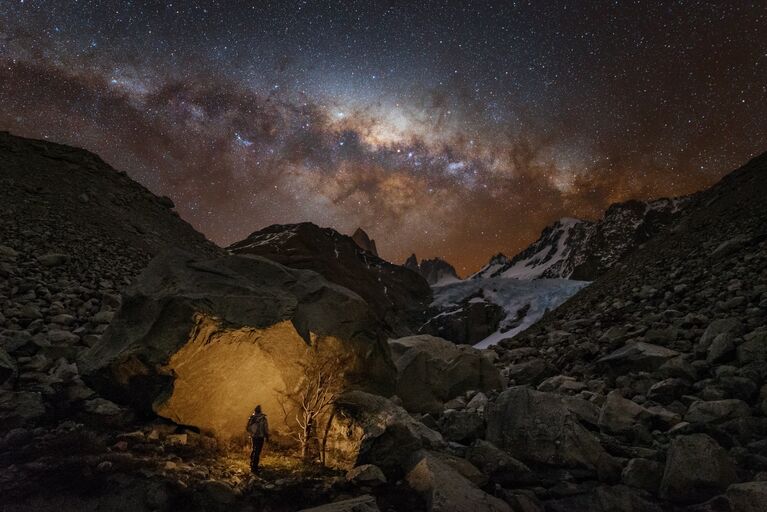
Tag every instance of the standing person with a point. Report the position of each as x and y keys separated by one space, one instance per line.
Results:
x=258 y=428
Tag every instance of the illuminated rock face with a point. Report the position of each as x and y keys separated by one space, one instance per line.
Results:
x=202 y=342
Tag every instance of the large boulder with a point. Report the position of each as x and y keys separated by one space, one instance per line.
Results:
x=446 y=489
x=748 y=497
x=537 y=427
x=638 y=356
x=202 y=342
x=620 y=415
x=371 y=429
x=697 y=468
x=397 y=295
x=497 y=464
x=431 y=371
x=717 y=411
x=364 y=503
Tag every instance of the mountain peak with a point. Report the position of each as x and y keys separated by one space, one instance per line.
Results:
x=573 y=248
x=364 y=242
x=436 y=271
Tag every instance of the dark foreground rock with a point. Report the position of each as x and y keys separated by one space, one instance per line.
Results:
x=432 y=371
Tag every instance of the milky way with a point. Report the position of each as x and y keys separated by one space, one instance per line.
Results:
x=451 y=129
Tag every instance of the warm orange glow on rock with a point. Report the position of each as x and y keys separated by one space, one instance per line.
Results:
x=221 y=374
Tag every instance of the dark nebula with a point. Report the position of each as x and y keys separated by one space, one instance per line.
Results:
x=451 y=129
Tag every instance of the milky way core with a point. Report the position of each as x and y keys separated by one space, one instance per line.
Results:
x=447 y=129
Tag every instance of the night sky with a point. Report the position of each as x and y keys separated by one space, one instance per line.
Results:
x=453 y=129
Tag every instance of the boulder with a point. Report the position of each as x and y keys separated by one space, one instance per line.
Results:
x=396 y=295
x=364 y=503
x=446 y=490
x=20 y=408
x=371 y=429
x=621 y=416
x=754 y=349
x=202 y=341
x=616 y=498
x=643 y=474
x=697 y=468
x=8 y=368
x=728 y=326
x=748 y=497
x=537 y=427
x=668 y=390
x=461 y=426
x=638 y=356
x=717 y=411
x=366 y=474
x=497 y=464
x=431 y=371
x=531 y=372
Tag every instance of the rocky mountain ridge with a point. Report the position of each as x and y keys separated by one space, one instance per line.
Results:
x=398 y=296
x=436 y=271
x=583 y=250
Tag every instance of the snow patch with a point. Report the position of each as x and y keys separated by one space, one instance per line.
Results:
x=512 y=295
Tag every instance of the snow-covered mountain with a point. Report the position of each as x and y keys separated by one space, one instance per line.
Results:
x=583 y=250
x=436 y=271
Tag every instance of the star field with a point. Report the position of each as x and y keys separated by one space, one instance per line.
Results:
x=453 y=129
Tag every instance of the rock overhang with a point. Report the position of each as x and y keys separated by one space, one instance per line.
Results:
x=202 y=341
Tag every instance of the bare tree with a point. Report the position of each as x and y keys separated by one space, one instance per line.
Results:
x=313 y=396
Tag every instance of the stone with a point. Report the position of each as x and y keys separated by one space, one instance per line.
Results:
x=102 y=317
x=729 y=326
x=20 y=408
x=102 y=407
x=364 y=503
x=561 y=384
x=30 y=312
x=60 y=336
x=370 y=429
x=478 y=402
x=446 y=490
x=643 y=474
x=621 y=416
x=53 y=259
x=721 y=347
x=432 y=371
x=697 y=468
x=537 y=427
x=497 y=464
x=668 y=390
x=754 y=349
x=638 y=356
x=8 y=252
x=461 y=426
x=748 y=497
x=8 y=368
x=219 y=492
x=200 y=341
x=717 y=411
x=366 y=474
x=531 y=372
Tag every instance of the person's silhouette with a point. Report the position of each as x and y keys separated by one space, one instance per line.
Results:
x=258 y=428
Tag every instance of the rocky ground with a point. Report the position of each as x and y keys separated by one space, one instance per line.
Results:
x=644 y=392
x=666 y=355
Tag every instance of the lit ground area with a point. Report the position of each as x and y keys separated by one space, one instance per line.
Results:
x=160 y=468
